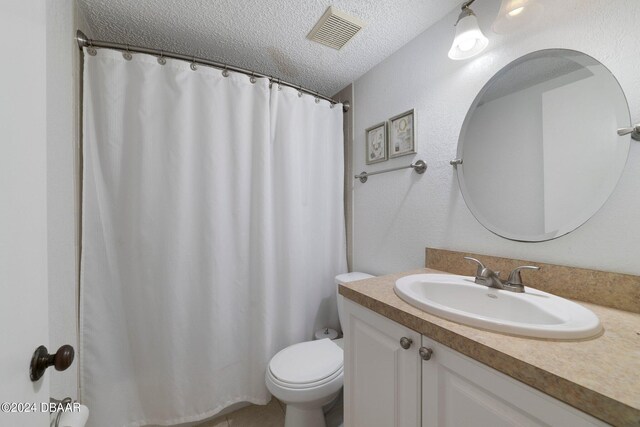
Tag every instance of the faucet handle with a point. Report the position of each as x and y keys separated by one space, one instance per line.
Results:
x=481 y=266
x=515 y=278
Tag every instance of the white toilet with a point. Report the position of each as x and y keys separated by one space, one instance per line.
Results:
x=308 y=375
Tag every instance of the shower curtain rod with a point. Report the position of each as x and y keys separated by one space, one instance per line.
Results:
x=84 y=41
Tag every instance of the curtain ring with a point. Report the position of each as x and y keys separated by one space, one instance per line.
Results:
x=225 y=72
x=279 y=85
x=193 y=65
x=91 y=50
x=126 y=54
x=161 y=59
x=253 y=78
x=332 y=105
x=299 y=91
x=317 y=98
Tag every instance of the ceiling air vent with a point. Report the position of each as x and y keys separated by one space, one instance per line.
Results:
x=335 y=28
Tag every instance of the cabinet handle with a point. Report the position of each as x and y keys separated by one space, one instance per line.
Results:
x=405 y=342
x=425 y=353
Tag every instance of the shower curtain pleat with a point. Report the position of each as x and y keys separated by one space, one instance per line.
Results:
x=212 y=228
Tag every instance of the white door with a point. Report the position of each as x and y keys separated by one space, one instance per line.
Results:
x=459 y=392
x=23 y=209
x=381 y=378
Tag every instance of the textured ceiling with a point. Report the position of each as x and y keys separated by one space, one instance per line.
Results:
x=267 y=36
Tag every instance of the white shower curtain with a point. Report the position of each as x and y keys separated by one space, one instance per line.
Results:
x=212 y=228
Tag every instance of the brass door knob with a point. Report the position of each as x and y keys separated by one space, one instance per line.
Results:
x=41 y=360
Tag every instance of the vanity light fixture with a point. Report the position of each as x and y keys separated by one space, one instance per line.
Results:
x=515 y=12
x=514 y=15
x=512 y=8
x=469 y=40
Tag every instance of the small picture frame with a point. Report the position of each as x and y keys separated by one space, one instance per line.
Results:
x=402 y=134
x=376 y=143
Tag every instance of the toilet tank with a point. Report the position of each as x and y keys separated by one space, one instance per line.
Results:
x=346 y=278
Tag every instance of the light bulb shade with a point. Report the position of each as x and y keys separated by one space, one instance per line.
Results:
x=469 y=40
x=512 y=8
x=516 y=15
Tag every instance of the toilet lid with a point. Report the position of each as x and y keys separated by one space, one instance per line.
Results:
x=307 y=362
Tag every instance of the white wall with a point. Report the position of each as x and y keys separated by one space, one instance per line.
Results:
x=397 y=214
x=62 y=128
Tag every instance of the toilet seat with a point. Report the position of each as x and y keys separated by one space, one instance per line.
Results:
x=313 y=394
x=305 y=386
x=307 y=364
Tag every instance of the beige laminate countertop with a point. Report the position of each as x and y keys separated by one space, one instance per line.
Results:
x=599 y=376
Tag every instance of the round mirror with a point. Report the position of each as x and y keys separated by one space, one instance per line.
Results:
x=539 y=146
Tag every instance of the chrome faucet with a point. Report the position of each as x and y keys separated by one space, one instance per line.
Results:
x=514 y=282
x=487 y=277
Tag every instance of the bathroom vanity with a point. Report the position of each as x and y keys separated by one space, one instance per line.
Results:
x=540 y=151
x=405 y=367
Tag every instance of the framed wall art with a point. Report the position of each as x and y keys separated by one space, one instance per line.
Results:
x=376 y=143
x=402 y=134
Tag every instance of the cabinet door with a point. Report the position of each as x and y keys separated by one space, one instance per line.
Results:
x=458 y=391
x=381 y=379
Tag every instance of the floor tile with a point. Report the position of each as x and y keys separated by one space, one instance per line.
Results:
x=282 y=405
x=218 y=422
x=270 y=415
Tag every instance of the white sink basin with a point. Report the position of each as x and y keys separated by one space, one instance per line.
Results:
x=533 y=313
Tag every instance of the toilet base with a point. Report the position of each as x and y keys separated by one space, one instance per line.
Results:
x=308 y=414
